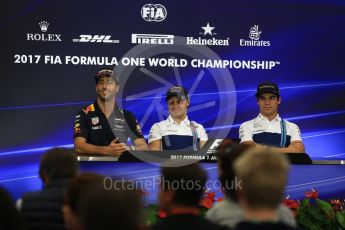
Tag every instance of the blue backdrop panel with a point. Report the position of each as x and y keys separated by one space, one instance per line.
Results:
x=39 y=96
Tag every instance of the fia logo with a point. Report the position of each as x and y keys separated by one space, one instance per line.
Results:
x=153 y=12
x=254 y=33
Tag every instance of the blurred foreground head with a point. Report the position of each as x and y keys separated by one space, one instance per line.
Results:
x=58 y=163
x=182 y=185
x=227 y=152
x=9 y=215
x=263 y=175
x=74 y=194
x=119 y=207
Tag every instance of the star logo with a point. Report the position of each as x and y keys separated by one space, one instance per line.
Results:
x=208 y=29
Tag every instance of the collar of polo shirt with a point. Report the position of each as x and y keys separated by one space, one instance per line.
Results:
x=277 y=118
x=184 y=122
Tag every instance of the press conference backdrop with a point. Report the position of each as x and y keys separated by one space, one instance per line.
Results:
x=219 y=50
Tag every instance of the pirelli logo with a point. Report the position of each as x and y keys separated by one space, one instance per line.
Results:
x=155 y=39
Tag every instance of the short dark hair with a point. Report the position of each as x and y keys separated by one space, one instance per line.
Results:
x=189 y=183
x=78 y=186
x=109 y=208
x=10 y=217
x=227 y=152
x=58 y=163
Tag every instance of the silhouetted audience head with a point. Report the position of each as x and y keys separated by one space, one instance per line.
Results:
x=9 y=216
x=43 y=209
x=183 y=185
x=73 y=197
x=117 y=207
x=227 y=152
x=58 y=163
x=263 y=175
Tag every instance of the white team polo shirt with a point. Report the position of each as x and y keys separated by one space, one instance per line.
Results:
x=176 y=136
x=263 y=131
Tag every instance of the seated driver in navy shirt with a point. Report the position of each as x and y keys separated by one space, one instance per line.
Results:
x=103 y=127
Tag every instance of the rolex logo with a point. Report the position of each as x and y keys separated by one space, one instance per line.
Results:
x=43 y=36
x=44 y=26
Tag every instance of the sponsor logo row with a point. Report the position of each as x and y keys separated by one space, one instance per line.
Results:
x=207 y=36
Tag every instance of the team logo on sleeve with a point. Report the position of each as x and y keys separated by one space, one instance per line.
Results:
x=138 y=127
x=241 y=132
x=94 y=120
x=77 y=130
x=89 y=108
x=298 y=131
